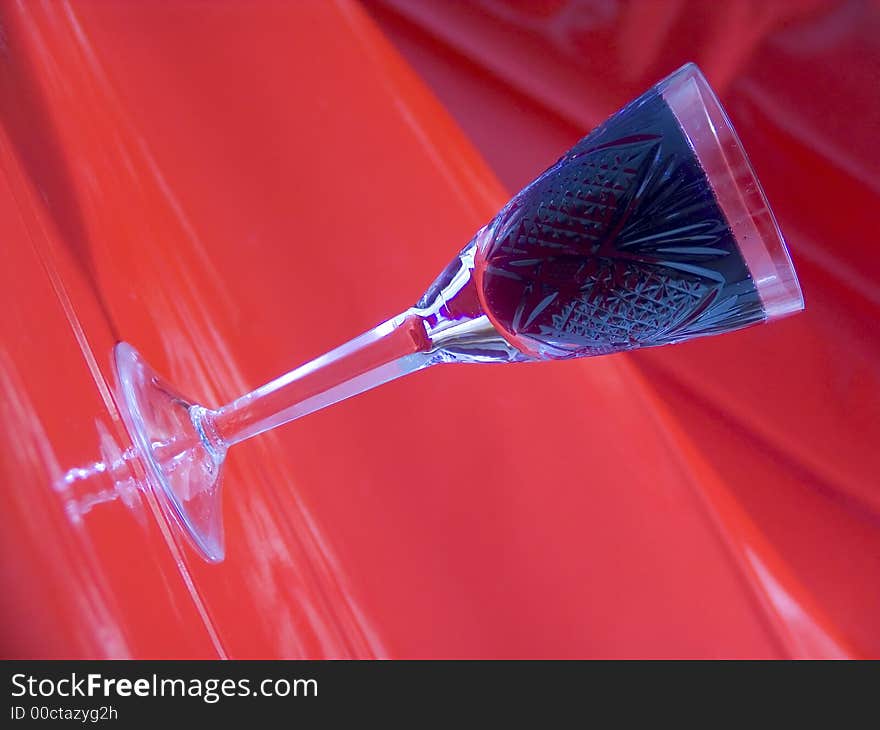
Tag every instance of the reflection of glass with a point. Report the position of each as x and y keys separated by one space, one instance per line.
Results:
x=651 y=230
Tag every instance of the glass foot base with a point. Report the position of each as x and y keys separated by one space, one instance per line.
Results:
x=182 y=455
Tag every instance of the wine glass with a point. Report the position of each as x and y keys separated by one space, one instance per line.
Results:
x=651 y=230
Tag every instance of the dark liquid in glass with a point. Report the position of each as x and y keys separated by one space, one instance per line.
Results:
x=621 y=244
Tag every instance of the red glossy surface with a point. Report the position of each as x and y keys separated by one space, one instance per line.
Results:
x=189 y=177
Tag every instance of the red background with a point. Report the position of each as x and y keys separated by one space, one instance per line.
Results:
x=235 y=188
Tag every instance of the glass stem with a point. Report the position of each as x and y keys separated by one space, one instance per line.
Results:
x=394 y=348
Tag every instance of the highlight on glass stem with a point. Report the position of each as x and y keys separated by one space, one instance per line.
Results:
x=651 y=230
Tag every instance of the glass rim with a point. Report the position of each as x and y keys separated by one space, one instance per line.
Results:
x=737 y=189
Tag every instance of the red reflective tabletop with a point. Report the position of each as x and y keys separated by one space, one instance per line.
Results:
x=235 y=189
